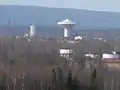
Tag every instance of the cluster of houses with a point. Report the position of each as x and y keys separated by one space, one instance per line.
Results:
x=109 y=60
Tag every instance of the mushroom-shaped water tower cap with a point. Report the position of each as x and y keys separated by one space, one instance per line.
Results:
x=66 y=21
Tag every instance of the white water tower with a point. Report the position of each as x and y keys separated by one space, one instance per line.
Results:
x=67 y=25
x=32 y=31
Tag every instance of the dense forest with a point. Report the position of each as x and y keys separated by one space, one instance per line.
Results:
x=37 y=65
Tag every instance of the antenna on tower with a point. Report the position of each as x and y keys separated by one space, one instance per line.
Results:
x=9 y=22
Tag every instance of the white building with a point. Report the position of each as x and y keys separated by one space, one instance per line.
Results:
x=111 y=61
x=91 y=55
x=32 y=31
x=67 y=53
x=78 y=38
x=111 y=57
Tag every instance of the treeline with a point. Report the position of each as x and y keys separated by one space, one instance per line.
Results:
x=34 y=66
x=58 y=80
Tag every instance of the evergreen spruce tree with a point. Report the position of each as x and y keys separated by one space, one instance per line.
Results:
x=3 y=85
x=59 y=78
x=45 y=87
x=75 y=84
x=58 y=74
x=53 y=78
x=93 y=77
x=49 y=87
x=69 y=80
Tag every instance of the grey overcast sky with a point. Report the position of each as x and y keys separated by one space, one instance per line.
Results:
x=100 y=5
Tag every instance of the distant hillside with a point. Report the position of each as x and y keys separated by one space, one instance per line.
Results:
x=25 y=15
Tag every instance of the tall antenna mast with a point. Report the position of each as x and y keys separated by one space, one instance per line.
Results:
x=9 y=22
